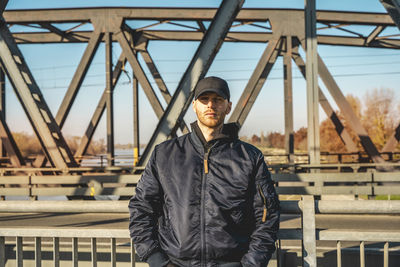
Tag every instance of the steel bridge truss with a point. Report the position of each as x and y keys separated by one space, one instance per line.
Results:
x=282 y=30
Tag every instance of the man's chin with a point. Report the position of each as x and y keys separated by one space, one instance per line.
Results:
x=212 y=123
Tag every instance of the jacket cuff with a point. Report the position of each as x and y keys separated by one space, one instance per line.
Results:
x=255 y=259
x=158 y=259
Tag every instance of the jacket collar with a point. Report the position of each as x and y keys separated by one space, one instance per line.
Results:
x=229 y=133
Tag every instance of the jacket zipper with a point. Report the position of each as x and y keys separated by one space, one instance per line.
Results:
x=203 y=208
x=264 y=217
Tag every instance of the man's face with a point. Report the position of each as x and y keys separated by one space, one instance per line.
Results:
x=211 y=109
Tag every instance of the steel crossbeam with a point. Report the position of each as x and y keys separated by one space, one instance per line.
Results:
x=9 y=144
x=393 y=8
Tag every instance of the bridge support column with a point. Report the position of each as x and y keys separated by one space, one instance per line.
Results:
x=312 y=83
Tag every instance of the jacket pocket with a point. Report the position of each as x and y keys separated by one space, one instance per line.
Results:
x=269 y=197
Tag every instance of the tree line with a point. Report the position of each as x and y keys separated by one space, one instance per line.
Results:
x=379 y=114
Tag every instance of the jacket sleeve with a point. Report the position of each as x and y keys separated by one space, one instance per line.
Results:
x=145 y=209
x=266 y=212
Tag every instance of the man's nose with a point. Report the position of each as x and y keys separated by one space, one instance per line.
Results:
x=211 y=103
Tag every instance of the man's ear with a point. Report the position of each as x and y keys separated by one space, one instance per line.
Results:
x=193 y=105
x=229 y=108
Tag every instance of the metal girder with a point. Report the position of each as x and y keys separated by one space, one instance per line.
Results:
x=85 y=140
x=393 y=140
x=348 y=112
x=309 y=248
x=393 y=8
x=2 y=105
x=288 y=98
x=78 y=77
x=136 y=140
x=109 y=101
x=3 y=5
x=31 y=99
x=313 y=140
x=59 y=32
x=323 y=101
x=160 y=82
x=11 y=147
x=374 y=33
x=258 y=37
x=192 y=14
x=196 y=70
x=139 y=73
x=256 y=81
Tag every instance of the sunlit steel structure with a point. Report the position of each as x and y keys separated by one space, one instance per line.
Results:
x=287 y=31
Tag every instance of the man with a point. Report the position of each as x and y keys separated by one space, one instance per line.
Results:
x=206 y=198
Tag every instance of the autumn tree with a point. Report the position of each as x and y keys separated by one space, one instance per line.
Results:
x=379 y=115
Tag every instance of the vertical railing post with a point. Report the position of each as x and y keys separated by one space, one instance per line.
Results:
x=75 y=252
x=339 y=254
x=133 y=260
x=2 y=251
x=386 y=255
x=38 y=252
x=19 y=255
x=94 y=252
x=56 y=251
x=113 y=252
x=309 y=236
x=362 y=254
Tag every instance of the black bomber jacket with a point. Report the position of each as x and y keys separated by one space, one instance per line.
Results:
x=206 y=202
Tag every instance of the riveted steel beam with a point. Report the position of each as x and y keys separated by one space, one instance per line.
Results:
x=254 y=37
x=374 y=33
x=3 y=5
x=313 y=140
x=59 y=32
x=2 y=106
x=79 y=15
x=109 y=101
x=160 y=82
x=196 y=70
x=288 y=99
x=139 y=73
x=78 y=77
x=10 y=146
x=329 y=111
x=32 y=100
x=393 y=140
x=256 y=82
x=393 y=8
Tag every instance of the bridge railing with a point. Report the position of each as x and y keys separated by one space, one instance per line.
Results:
x=70 y=239
x=308 y=233
x=123 y=185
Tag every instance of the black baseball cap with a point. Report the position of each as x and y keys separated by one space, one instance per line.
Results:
x=212 y=84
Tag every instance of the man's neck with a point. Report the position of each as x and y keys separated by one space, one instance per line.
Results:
x=209 y=133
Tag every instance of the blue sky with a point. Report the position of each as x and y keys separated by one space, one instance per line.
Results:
x=356 y=70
